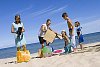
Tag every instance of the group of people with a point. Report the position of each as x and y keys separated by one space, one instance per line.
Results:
x=18 y=31
x=71 y=40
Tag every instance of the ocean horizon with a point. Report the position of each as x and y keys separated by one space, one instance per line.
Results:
x=57 y=44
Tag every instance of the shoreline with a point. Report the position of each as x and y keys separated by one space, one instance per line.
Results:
x=89 y=58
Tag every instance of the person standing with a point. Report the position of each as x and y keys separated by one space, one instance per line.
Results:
x=42 y=32
x=71 y=30
x=79 y=34
x=18 y=30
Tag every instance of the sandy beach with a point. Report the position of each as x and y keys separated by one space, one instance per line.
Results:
x=90 y=57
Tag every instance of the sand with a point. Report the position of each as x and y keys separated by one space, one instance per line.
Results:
x=90 y=57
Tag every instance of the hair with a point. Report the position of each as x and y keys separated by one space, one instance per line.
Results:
x=17 y=15
x=78 y=23
x=64 y=32
x=48 y=20
x=64 y=14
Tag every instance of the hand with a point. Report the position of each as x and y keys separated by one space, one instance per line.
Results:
x=16 y=32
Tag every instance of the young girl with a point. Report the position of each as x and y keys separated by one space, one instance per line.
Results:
x=67 y=46
x=79 y=34
x=18 y=29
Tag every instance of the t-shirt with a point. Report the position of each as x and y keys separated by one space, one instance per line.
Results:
x=16 y=26
x=79 y=30
x=42 y=33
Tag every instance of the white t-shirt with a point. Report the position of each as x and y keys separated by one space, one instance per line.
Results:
x=42 y=33
x=16 y=26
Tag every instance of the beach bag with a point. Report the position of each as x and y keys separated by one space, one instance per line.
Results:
x=23 y=56
x=47 y=51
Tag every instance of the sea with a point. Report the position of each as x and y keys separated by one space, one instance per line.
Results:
x=57 y=44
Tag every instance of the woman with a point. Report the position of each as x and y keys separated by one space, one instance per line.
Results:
x=18 y=30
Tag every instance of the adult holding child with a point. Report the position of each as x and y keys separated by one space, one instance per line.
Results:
x=18 y=30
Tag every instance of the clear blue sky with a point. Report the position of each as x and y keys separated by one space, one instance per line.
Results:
x=36 y=12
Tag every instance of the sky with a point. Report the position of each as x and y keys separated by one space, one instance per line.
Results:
x=34 y=13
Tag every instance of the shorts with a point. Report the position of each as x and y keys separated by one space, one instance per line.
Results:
x=41 y=40
x=81 y=39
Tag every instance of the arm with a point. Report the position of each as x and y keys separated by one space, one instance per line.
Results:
x=66 y=37
x=70 y=25
x=12 y=29
x=52 y=30
x=23 y=30
x=65 y=44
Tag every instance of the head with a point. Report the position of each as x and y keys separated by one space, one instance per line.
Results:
x=77 y=23
x=17 y=18
x=65 y=16
x=63 y=32
x=48 y=22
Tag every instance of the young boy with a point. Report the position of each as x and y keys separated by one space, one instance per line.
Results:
x=79 y=34
x=71 y=30
x=67 y=46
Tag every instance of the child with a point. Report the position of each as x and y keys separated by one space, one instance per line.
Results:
x=71 y=30
x=67 y=46
x=79 y=34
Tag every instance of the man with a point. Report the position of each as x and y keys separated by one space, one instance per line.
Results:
x=71 y=29
x=42 y=32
